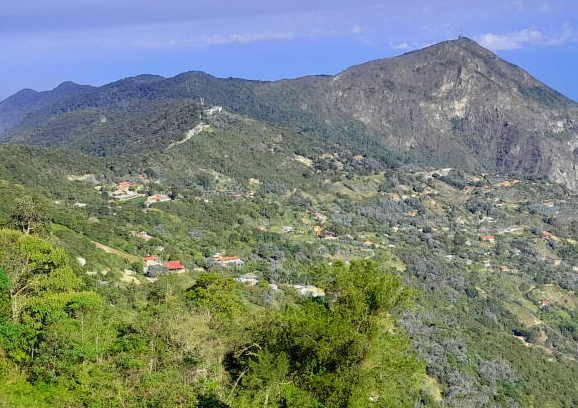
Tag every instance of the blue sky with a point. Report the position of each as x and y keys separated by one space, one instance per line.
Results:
x=46 y=42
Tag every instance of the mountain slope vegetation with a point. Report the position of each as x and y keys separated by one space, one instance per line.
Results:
x=399 y=234
x=492 y=259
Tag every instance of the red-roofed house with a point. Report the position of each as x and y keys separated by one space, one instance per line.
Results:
x=544 y=303
x=175 y=266
x=488 y=238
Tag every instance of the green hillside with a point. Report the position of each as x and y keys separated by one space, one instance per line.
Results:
x=492 y=260
x=402 y=234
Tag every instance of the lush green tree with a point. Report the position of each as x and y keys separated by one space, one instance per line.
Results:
x=342 y=352
x=42 y=287
x=30 y=214
x=216 y=293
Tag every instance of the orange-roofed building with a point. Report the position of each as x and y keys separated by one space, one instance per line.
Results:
x=175 y=266
x=489 y=238
x=230 y=260
x=124 y=185
x=152 y=260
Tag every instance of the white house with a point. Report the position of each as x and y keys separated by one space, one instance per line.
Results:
x=229 y=260
x=309 y=290
x=249 y=279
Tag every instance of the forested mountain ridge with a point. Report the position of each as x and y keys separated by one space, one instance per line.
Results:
x=15 y=108
x=453 y=103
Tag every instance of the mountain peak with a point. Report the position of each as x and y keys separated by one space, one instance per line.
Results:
x=67 y=85
x=25 y=92
x=459 y=45
x=466 y=41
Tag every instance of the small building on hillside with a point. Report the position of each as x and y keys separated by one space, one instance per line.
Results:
x=157 y=198
x=124 y=186
x=175 y=266
x=229 y=261
x=488 y=238
x=143 y=235
x=151 y=260
x=153 y=266
x=248 y=279
x=544 y=304
x=309 y=290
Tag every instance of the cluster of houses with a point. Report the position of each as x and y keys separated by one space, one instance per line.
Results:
x=251 y=279
x=127 y=190
x=154 y=266
x=124 y=190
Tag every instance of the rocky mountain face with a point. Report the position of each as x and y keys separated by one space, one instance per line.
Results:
x=465 y=106
x=453 y=103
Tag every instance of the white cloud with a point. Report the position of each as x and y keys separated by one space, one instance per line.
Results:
x=155 y=39
x=402 y=46
x=518 y=39
x=356 y=30
x=510 y=41
x=218 y=39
